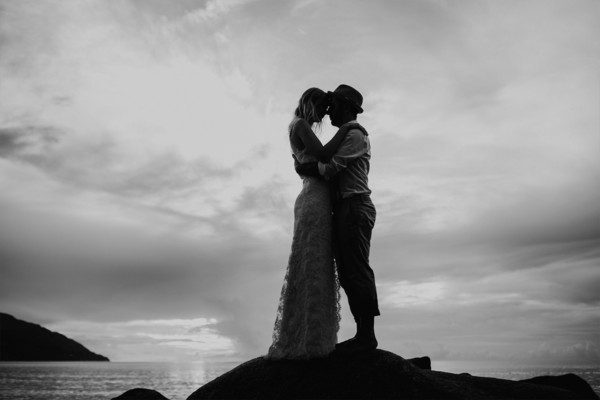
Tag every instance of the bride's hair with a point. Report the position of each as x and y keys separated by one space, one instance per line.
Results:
x=307 y=106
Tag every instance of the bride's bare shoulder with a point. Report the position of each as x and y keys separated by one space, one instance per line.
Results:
x=299 y=123
x=299 y=127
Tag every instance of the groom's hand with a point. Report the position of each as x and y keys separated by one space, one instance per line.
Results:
x=348 y=126
x=308 y=169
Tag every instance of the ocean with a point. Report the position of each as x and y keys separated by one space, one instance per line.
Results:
x=103 y=380
x=176 y=381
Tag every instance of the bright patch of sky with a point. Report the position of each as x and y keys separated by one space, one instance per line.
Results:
x=146 y=173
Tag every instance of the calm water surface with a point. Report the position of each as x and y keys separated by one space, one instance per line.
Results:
x=100 y=380
x=103 y=381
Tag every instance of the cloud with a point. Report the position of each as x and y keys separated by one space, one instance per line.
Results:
x=27 y=142
x=146 y=173
x=174 y=340
x=525 y=267
x=110 y=270
x=551 y=229
x=486 y=326
x=203 y=284
x=583 y=352
x=214 y=9
x=405 y=294
x=101 y=169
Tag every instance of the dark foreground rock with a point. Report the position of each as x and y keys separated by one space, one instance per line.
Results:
x=141 y=394
x=421 y=362
x=376 y=375
x=24 y=341
x=571 y=382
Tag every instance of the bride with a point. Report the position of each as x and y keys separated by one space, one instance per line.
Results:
x=308 y=315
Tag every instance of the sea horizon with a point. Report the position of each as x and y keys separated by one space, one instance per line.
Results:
x=76 y=380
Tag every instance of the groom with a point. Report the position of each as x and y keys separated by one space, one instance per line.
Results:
x=353 y=216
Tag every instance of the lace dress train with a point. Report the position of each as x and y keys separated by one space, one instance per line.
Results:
x=308 y=315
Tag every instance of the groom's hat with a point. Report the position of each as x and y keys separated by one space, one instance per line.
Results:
x=349 y=95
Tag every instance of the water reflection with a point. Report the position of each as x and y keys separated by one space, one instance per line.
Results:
x=85 y=380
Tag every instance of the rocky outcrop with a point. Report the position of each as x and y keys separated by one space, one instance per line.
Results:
x=374 y=375
x=141 y=394
x=24 y=341
x=377 y=374
x=570 y=382
x=421 y=362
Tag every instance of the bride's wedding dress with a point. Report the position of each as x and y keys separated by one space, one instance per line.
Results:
x=308 y=315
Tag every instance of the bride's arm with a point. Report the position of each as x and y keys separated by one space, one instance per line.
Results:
x=312 y=144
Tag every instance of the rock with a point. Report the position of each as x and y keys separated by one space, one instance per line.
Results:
x=421 y=362
x=377 y=374
x=141 y=394
x=24 y=341
x=570 y=382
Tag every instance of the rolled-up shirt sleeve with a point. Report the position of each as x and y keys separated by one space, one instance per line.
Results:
x=354 y=146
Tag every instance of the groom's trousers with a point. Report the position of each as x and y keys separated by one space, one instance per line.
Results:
x=353 y=222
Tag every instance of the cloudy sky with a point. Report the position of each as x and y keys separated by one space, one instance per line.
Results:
x=147 y=185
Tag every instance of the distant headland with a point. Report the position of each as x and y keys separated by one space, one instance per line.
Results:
x=24 y=341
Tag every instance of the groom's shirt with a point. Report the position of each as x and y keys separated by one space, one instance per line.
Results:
x=350 y=164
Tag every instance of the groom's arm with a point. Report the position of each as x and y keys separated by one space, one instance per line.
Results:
x=354 y=146
x=308 y=169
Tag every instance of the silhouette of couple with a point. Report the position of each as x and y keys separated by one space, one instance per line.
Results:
x=333 y=220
